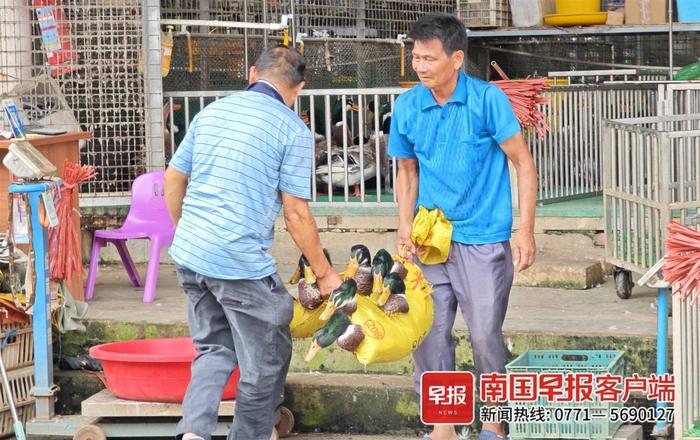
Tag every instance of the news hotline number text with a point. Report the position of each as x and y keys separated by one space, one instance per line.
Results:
x=541 y=414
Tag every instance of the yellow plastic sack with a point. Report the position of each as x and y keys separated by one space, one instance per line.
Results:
x=389 y=338
x=433 y=233
x=305 y=322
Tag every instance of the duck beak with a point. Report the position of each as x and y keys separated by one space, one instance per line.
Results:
x=377 y=283
x=309 y=275
x=296 y=276
x=328 y=311
x=384 y=297
x=313 y=351
x=352 y=268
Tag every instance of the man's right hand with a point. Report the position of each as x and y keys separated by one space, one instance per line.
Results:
x=328 y=282
x=404 y=244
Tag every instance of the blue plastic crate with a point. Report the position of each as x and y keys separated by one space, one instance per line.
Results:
x=597 y=362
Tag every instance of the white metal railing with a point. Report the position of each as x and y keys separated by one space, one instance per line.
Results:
x=350 y=155
x=651 y=177
x=568 y=158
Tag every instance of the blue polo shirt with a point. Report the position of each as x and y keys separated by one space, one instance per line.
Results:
x=462 y=169
x=240 y=153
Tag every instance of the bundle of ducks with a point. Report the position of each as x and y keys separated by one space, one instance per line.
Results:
x=380 y=278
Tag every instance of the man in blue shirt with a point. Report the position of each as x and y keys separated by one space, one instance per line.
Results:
x=453 y=136
x=243 y=158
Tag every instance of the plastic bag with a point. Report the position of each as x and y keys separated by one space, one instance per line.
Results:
x=433 y=233
x=305 y=322
x=389 y=338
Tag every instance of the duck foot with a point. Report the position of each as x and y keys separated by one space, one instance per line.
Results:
x=357 y=192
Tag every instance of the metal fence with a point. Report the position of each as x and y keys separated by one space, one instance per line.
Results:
x=679 y=98
x=651 y=177
x=568 y=158
x=76 y=66
x=350 y=153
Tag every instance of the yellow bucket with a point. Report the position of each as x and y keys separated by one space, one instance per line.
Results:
x=577 y=6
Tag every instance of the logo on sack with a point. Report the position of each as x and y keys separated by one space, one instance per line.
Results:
x=447 y=397
x=374 y=329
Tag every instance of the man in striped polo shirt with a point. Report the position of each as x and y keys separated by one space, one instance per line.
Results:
x=453 y=136
x=244 y=158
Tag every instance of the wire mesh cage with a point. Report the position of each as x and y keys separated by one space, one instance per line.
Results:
x=364 y=18
x=217 y=62
x=74 y=65
x=524 y=56
x=651 y=179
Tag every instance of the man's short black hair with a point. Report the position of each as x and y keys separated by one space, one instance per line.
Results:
x=444 y=27
x=282 y=63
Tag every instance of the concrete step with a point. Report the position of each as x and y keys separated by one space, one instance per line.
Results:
x=566 y=260
x=640 y=351
x=566 y=269
x=343 y=404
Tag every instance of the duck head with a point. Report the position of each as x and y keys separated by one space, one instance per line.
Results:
x=341 y=297
x=296 y=276
x=393 y=284
x=359 y=257
x=381 y=265
x=325 y=336
x=305 y=268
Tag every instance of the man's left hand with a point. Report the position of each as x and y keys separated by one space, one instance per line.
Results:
x=524 y=250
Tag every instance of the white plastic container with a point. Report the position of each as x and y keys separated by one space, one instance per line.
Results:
x=26 y=162
x=528 y=13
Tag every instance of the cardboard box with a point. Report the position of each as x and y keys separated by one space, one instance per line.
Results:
x=646 y=11
x=616 y=16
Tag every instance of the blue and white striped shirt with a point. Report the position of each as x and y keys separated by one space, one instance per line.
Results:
x=240 y=152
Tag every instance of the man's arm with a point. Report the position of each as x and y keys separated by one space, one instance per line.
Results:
x=406 y=194
x=301 y=225
x=175 y=186
x=524 y=241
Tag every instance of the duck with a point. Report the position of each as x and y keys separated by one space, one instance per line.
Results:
x=358 y=169
x=360 y=269
x=341 y=299
x=399 y=269
x=309 y=294
x=393 y=297
x=340 y=329
x=336 y=113
x=381 y=266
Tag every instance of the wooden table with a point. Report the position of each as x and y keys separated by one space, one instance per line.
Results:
x=56 y=149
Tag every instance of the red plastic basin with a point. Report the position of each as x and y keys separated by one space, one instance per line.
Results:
x=151 y=370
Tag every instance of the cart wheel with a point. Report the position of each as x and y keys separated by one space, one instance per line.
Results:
x=90 y=432
x=623 y=283
x=286 y=423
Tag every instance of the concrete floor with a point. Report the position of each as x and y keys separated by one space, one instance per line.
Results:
x=592 y=312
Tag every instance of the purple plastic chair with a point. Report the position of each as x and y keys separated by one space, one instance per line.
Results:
x=148 y=218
